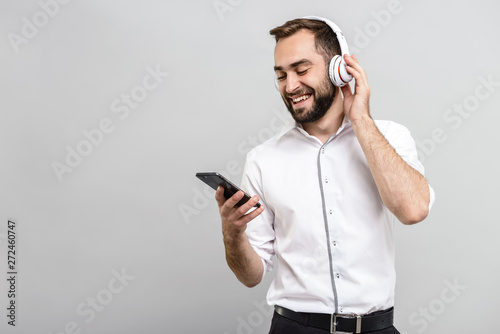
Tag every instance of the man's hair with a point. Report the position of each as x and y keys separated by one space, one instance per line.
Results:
x=326 y=41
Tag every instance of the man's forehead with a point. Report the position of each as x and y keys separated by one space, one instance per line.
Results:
x=289 y=50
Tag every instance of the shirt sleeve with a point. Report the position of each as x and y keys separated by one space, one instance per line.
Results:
x=403 y=143
x=260 y=231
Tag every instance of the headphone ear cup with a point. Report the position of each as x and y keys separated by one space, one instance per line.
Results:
x=338 y=72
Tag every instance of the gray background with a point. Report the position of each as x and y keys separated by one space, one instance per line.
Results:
x=133 y=205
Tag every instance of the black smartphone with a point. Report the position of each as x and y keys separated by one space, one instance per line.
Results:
x=214 y=179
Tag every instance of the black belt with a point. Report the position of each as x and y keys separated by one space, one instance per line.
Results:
x=341 y=323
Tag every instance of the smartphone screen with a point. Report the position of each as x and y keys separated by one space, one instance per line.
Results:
x=214 y=179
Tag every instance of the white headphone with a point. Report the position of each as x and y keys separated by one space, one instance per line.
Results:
x=337 y=68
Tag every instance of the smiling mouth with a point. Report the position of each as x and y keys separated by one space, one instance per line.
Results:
x=300 y=98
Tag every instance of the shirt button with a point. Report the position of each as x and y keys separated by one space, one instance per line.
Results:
x=335 y=244
x=337 y=275
x=326 y=180
x=331 y=211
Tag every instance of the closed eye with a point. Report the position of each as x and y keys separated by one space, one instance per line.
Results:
x=283 y=76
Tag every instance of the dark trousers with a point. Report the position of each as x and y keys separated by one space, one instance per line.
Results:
x=282 y=325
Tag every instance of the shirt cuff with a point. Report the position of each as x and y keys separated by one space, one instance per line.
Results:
x=432 y=197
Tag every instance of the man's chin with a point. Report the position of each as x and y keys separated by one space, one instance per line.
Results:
x=299 y=115
x=300 y=112
x=303 y=115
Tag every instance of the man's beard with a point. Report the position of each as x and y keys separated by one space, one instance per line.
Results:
x=323 y=99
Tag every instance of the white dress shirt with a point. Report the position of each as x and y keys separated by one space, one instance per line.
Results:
x=324 y=220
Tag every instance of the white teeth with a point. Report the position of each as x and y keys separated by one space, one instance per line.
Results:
x=300 y=98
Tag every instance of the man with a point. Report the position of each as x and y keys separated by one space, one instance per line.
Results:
x=333 y=186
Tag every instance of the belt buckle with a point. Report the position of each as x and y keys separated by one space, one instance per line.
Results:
x=333 y=323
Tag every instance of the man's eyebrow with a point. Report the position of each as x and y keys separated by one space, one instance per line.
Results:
x=297 y=63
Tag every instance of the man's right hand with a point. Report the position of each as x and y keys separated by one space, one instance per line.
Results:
x=234 y=218
x=240 y=256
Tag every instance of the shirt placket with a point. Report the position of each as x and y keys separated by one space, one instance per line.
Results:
x=329 y=198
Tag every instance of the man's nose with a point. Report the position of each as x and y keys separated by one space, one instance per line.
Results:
x=292 y=83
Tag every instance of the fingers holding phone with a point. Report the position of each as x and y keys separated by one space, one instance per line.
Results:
x=235 y=218
x=234 y=204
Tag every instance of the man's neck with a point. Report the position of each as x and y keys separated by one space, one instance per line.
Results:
x=329 y=124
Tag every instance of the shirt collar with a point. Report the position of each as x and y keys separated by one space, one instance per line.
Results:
x=300 y=128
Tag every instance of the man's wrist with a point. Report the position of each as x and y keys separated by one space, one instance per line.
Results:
x=362 y=121
x=231 y=239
